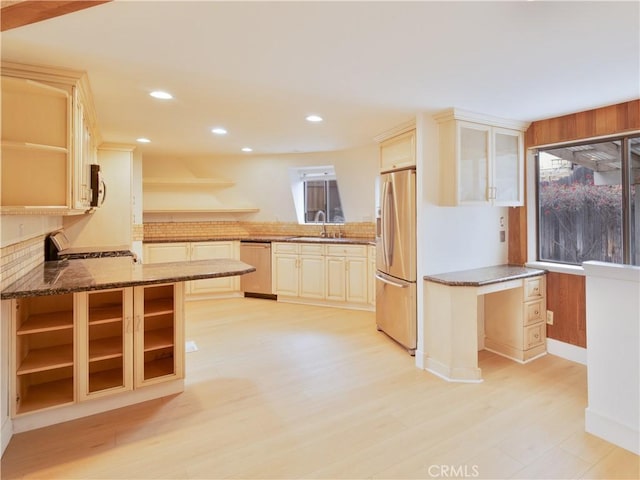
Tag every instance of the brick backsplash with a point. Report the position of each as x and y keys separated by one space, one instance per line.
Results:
x=19 y=258
x=230 y=229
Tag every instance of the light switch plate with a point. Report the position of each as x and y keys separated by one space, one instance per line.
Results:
x=549 y=317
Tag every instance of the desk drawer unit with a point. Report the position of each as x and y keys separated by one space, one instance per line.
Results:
x=515 y=320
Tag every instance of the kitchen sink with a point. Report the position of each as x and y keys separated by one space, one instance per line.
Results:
x=322 y=239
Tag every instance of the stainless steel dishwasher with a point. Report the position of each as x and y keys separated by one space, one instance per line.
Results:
x=258 y=283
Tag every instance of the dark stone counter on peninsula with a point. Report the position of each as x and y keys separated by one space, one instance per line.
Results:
x=67 y=276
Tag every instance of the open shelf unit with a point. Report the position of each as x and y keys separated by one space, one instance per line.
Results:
x=44 y=352
x=159 y=337
x=106 y=339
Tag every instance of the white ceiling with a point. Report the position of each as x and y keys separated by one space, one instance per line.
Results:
x=259 y=68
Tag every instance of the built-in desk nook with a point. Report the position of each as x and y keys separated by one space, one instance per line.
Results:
x=500 y=308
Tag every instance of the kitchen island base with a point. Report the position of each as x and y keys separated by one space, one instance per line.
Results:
x=74 y=411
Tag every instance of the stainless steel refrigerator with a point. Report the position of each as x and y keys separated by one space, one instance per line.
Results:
x=396 y=257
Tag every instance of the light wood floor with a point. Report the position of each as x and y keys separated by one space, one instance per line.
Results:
x=289 y=391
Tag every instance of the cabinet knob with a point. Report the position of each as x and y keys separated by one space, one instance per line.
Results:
x=536 y=336
x=536 y=312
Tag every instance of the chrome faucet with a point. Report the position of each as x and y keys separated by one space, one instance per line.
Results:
x=324 y=226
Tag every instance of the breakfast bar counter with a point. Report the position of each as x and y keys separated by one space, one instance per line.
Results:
x=70 y=276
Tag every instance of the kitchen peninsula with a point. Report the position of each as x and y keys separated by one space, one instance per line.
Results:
x=91 y=335
x=504 y=303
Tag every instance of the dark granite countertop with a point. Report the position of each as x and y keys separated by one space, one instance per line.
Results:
x=484 y=276
x=67 y=276
x=272 y=238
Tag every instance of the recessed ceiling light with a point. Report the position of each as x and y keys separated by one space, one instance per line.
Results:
x=247 y=149
x=143 y=140
x=161 y=95
x=314 y=118
x=219 y=131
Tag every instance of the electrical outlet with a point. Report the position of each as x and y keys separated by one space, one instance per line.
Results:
x=549 y=317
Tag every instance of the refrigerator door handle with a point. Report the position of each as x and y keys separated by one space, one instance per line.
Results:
x=388 y=223
x=391 y=282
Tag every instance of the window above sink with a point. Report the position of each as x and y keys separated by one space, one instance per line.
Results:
x=316 y=195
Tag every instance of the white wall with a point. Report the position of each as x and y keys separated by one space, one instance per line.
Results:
x=16 y=228
x=110 y=224
x=613 y=359
x=453 y=238
x=449 y=238
x=263 y=181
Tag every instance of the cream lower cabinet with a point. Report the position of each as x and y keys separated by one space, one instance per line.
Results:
x=520 y=335
x=185 y=251
x=298 y=270
x=322 y=274
x=347 y=267
x=211 y=251
x=371 y=276
x=75 y=347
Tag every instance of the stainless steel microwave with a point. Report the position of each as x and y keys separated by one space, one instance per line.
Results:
x=98 y=187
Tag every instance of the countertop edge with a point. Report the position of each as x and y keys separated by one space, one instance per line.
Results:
x=270 y=239
x=152 y=279
x=441 y=278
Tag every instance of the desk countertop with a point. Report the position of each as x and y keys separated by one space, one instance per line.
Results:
x=67 y=276
x=484 y=276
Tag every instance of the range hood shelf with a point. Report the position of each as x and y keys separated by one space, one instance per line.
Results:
x=202 y=210
x=187 y=182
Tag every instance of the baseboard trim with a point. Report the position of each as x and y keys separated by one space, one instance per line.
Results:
x=567 y=351
x=612 y=431
x=455 y=375
x=5 y=435
x=44 y=418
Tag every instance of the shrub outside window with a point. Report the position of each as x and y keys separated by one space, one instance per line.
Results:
x=588 y=202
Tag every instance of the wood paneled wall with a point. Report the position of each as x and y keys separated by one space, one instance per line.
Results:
x=566 y=293
x=566 y=298
x=611 y=120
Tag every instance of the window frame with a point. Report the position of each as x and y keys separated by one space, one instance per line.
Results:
x=626 y=164
x=327 y=193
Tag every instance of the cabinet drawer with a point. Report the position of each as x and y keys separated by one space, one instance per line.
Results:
x=312 y=249
x=534 y=288
x=534 y=335
x=284 y=247
x=533 y=312
x=347 y=250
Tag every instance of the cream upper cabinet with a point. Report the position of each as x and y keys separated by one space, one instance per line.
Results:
x=481 y=160
x=398 y=151
x=49 y=137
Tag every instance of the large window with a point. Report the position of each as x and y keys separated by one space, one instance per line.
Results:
x=588 y=202
x=322 y=196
